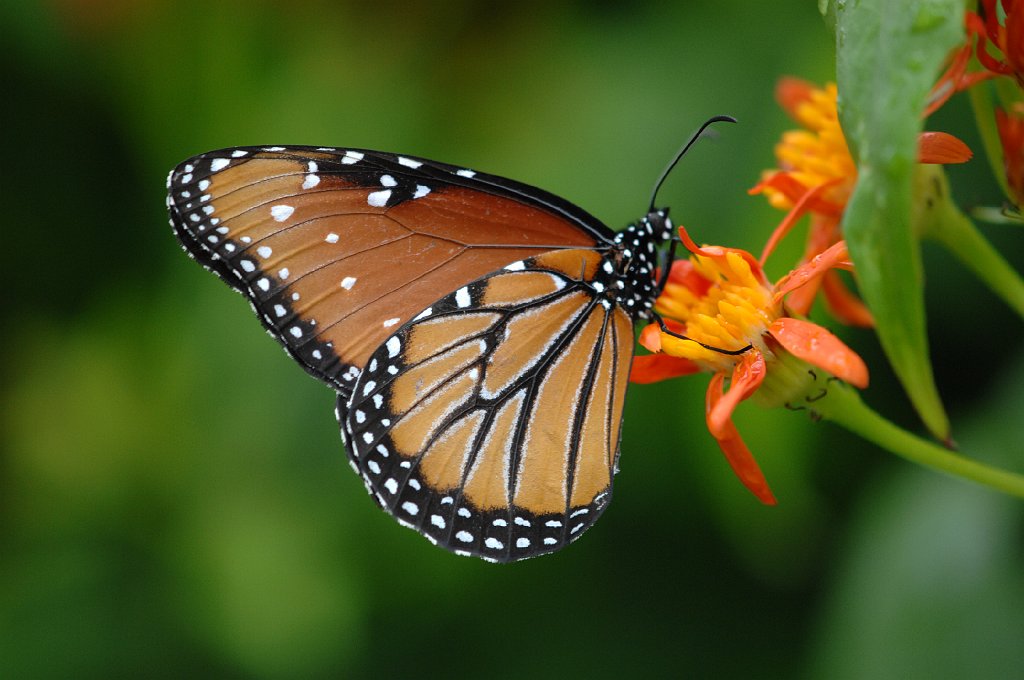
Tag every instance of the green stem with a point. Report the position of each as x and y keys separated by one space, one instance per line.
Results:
x=943 y=221
x=842 y=405
x=984 y=115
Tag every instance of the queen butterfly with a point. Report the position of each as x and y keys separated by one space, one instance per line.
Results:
x=478 y=331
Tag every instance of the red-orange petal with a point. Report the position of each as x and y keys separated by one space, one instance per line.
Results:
x=1011 y=134
x=952 y=80
x=844 y=305
x=801 y=298
x=747 y=376
x=716 y=252
x=788 y=186
x=988 y=31
x=835 y=256
x=1014 y=48
x=823 y=234
x=940 y=147
x=650 y=337
x=691 y=245
x=736 y=452
x=798 y=210
x=651 y=368
x=683 y=273
x=815 y=345
x=791 y=92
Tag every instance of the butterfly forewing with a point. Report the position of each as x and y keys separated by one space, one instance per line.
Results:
x=336 y=249
x=490 y=422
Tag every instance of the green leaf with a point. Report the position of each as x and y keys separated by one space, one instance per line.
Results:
x=888 y=55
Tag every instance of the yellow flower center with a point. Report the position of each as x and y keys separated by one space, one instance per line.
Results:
x=818 y=154
x=734 y=311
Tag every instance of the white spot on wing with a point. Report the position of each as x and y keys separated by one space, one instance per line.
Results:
x=393 y=345
x=218 y=164
x=348 y=282
x=408 y=162
x=391 y=322
x=351 y=157
x=331 y=238
x=388 y=181
x=462 y=298
x=465 y=173
x=421 y=191
x=311 y=181
x=264 y=251
x=281 y=212
x=378 y=199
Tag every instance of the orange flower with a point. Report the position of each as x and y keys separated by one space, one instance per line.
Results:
x=1011 y=134
x=1007 y=37
x=817 y=175
x=722 y=316
x=815 y=156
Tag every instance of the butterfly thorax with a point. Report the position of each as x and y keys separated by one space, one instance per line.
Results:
x=628 y=271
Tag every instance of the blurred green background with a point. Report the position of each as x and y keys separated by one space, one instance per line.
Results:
x=174 y=498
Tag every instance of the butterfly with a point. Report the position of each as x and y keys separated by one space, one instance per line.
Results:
x=478 y=331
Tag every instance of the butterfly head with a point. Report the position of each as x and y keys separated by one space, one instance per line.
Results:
x=629 y=267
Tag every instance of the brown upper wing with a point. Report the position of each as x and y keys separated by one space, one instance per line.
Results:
x=337 y=249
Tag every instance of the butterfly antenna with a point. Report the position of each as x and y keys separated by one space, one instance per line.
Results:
x=682 y=152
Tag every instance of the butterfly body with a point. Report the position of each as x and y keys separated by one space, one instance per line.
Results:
x=478 y=331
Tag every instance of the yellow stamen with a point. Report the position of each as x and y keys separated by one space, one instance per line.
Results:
x=734 y=312
x=816 y=155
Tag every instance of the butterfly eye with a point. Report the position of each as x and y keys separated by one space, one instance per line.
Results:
x=478 y=332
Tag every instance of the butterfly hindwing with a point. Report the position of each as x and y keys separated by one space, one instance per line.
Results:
x=490 y=422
